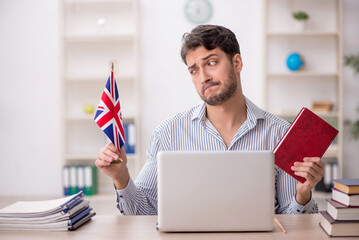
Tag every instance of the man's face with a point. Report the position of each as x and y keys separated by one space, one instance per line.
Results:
x=213 y=75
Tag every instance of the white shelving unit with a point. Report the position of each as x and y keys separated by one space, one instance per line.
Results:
x=285 y=91
x=94 y=34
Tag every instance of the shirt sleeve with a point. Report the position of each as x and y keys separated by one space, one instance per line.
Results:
x=140 y=198
x=285 y=190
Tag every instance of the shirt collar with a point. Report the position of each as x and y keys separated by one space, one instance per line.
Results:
x=199 y=112
x=253 y=113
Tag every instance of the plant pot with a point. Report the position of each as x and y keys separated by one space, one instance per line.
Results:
x=300 y=25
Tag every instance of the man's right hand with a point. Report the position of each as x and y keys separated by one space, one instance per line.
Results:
x=117 y=171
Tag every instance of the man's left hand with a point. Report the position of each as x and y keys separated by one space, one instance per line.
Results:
x=312 y=170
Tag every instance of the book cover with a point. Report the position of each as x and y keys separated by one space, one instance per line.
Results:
x=339 y=211
x=347 y=185
x=307 y=136
x=338 y=228
x=344 y=198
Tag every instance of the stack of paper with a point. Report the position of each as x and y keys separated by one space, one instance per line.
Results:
x=61 y=214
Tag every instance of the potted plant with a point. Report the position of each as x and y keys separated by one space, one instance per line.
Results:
x=301 y=18
x=352 y=60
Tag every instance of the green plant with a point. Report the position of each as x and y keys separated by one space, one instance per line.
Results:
x=352 y=60
x=300 y=15
x=355 y=128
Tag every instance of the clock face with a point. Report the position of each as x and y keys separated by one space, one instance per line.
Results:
x=198 y=11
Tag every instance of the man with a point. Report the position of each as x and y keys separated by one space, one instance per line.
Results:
x=227 y=120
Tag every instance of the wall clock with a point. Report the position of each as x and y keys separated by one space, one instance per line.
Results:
x=198 y=11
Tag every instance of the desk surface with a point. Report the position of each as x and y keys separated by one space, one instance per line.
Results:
x=109 y=227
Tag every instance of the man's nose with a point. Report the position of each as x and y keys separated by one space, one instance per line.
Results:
x=204 y=76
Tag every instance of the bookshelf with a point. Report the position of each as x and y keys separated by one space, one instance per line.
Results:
x=94 y=34
x=285 y=92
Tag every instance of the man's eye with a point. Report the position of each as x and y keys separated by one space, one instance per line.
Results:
x=193 y=71
x=211 y=63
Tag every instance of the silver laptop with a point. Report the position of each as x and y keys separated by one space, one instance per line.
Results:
x=215 y=191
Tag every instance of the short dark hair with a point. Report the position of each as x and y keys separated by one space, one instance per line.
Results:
x=210 y=37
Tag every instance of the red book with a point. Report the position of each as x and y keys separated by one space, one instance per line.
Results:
x=307 y=136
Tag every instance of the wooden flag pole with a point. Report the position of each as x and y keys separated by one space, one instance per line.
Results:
x=119 y=160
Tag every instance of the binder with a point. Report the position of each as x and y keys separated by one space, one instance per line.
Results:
x=131 y=137
x=61 y=214
x=125 y=130
x=66 y=180
x=90 y=173
x=328 y=174
x=73 y=180
x=80 y=178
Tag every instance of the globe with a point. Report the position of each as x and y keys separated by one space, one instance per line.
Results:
x=294 y=61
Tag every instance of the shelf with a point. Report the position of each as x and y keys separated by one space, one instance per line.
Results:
x=91 y=118
x=90 y=157
x=302 y=34
x=332 y=152
x=97 y=20
x=97 y=80
x=93 y=59
x=80 y=118
x=291 y=114
x=98 y=38
x=320 y=78
x=96 y=1
x=306 y=74
x=96 y=33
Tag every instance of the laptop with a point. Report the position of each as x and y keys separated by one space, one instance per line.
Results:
x=215 y=191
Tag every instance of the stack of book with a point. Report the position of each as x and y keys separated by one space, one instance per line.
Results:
x=342 y=215
x=62 y=214
x=322 y=106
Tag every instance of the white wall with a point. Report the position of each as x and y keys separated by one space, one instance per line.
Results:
x=29 y=81
x=29 y=98
x=350 y=86
x=166 y=86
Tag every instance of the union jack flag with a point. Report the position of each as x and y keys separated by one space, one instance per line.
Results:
x=108 y=115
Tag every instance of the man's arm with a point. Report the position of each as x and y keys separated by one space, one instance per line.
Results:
x=285 y=196
x=131 y=200
x=140 y=198
x=312 y=170
x=118 y=172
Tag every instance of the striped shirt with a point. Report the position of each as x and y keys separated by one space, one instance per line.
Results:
x=192 y=131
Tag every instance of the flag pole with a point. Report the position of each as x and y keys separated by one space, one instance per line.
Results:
x=119 y=160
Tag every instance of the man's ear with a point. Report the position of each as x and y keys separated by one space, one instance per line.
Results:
x=237 y=62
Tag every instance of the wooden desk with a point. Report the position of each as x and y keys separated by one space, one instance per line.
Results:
x=108 y=227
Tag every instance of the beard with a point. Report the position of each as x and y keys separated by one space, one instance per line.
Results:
x=229 y=88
